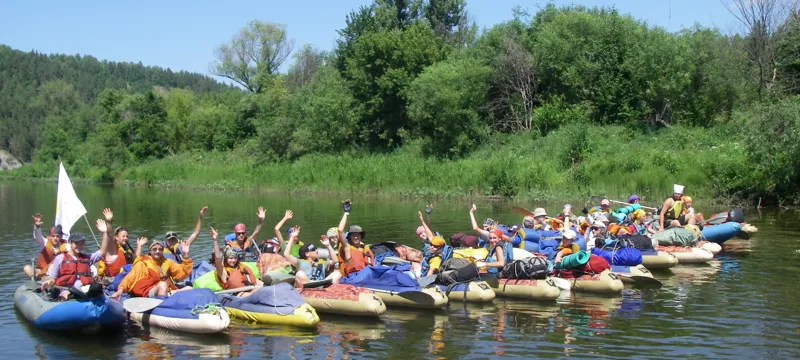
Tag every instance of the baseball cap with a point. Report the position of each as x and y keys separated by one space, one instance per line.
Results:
x=305 y=249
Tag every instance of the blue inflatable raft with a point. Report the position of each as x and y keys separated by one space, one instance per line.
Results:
x=86 y=315
x=722 y=232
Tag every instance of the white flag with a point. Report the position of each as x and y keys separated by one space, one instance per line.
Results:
x=69 y=208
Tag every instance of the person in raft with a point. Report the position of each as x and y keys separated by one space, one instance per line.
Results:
x=116 y=252
x=354 y=255
x=483 y=232
x=567 y=246
x=500 y=252
x=676 y=209
x=637 y=226
x=309 y=267
x=50 y=248
x=155 y=275
x=230 y=272
x=603 y=209
x=243 y=242
x=72 y=268
x=433 y=258
x=539 y=220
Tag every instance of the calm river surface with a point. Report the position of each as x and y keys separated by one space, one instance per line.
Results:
x=742 y=305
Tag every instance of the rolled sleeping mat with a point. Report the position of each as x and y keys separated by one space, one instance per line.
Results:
x=573 y=260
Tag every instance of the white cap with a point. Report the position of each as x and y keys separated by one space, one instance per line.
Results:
x=598 y=224
x=539 y=212
x=567 y=206
x=569 y=234
x=677 y=189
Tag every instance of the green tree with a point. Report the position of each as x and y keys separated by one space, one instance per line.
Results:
x=445 y=102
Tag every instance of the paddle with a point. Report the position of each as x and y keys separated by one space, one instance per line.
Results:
x=643 y=281
x=231 y=291
x=394 y=260
x=560 y=283
x=140 y=304
x=318 y=283
x=426 y=280
x=601 y=198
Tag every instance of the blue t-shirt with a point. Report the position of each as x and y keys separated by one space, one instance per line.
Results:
x=314 y=272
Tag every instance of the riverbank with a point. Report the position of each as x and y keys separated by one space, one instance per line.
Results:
x=574 y=161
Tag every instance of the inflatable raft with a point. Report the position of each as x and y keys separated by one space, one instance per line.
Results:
x=529 y=289
x=86 y=315
x=427 y=298
x=711 y=247
x=195 y=311
x=604 y=283
x=689 y=255
x=279 y=304
x=625 y=272
x=343 y=299
x=473 y=291
x=722 y=232
x=658 y=260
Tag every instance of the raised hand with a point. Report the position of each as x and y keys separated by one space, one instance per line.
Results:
x=296 y=231
x=213 y=233
x=108 y=214
x=428 y=209
x=419 y=215
x=37 y=220
x=289 y=214
x=101 y=226
x=203 y=211
x=261 y=213
x=324 y=241
x=473 y=208
x=184 y=248
x=142 y=241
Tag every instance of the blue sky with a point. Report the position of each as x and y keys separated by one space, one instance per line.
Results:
x=182 y=34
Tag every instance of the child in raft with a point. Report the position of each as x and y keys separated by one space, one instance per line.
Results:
x=567 y=245
x=309 y=266
x=230 y=272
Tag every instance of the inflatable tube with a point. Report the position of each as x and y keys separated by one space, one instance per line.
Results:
x=713 y=248
x=658 y=260
x=473 y=291
x=89 y=316
x=429 y=298
x=637 y=270
x=209 y=279
x=603 y=283
x=529 y=289
x=278 y=304
x=194 y=310
x=749 y=229
x=722 y=232
x=203 y=324
x=343 y=299
x=689 y=255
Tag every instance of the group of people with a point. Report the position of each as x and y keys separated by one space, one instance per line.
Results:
x=62 y=263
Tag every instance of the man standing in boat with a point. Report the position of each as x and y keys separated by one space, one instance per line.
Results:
x=50 y=248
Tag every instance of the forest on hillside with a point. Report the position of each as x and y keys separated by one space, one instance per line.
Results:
x=420 y=75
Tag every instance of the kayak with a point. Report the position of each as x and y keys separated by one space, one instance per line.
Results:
x=658 y=260
x=428 y=298
x=688 y=255
x=85 y=315
x=474 y=291
x=605 y=282
x=195 y=311
x=343 y=299
x=278 y=304
x=530 y=289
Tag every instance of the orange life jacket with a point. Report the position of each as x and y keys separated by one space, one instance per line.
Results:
x=359 y=259
x=238 y=277
x=46 y=256
x=156 y=273
x=115 y=267
x=74 y=269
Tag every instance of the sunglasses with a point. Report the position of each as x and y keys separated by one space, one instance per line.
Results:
x=240 y=234
x=157 y=249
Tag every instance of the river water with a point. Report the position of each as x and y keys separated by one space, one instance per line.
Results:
x=741 y=305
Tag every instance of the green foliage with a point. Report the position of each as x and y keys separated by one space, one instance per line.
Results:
x=554 y=113
x=787 y=58
x=445 y=102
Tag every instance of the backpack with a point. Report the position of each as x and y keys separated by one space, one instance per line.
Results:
x=464 y=240
x=530 y=268
x=456 y=271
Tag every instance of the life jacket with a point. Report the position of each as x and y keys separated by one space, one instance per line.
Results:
x=46 y=256
x=675 y=211
x=358 y=259
x=73 y=269
x=317 y=269
x=638 y=229
x=508 y=256
x=172 y=253
x=114 y=268
x=573 y=247
x=445 y=253
x=162 y=271
x=238 y=277
x=248 y=245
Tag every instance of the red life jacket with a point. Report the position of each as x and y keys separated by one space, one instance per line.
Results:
x=359 y=259
x=73 y=269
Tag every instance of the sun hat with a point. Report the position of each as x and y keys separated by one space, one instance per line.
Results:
x=569 y=234
x=539 y=212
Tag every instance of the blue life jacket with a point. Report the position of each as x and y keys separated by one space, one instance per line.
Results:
x=508 y=256
x=446 y=253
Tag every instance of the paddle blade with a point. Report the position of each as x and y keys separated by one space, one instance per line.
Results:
x=522 y=211
x=318 y=283
x=426 y=280
x=237 y=290
x=139 y=304
x=562 y=284
x=646 y=281
x=394 y=260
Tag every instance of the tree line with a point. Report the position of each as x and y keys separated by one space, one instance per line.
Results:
x=411 y=71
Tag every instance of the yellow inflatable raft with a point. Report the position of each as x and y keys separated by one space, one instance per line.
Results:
x=660 y=260
x=429 y=298
x=523 y=288
x=303 y=315
x=604 y=283
x=342 y=299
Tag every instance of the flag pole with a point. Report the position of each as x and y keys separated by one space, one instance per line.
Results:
x=90 y=229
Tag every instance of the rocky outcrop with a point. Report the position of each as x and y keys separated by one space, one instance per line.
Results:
x=7 y=161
